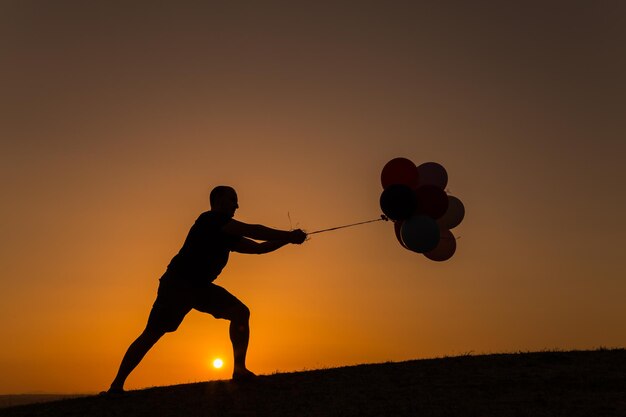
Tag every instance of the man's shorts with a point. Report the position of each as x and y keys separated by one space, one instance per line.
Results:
x=176 y=298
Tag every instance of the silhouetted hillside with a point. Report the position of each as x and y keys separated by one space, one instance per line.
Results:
x=13 y=400
x=579 y=383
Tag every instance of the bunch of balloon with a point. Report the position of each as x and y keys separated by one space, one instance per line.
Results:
x=414 y=197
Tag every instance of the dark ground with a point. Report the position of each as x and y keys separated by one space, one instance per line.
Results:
x=568 y=384
x=13 y=400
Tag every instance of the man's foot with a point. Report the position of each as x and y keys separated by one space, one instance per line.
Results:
x=113 y=392
x=243 y=375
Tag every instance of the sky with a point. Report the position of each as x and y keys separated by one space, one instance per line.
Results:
x=118 y=118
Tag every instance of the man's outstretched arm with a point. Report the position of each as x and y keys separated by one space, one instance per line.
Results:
x=260 y=232
x=258 y=248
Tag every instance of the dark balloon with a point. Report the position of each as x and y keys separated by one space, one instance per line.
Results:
x=397 y=227
x=420 y=233
x=431 y=201
x=454 y=215
x=432 y=173
x=398 y=201
x=444 y=249
x=399 y=171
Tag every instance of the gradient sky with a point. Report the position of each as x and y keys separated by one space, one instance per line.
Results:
x=117 y=118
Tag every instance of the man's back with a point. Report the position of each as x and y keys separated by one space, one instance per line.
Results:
x=205 y=251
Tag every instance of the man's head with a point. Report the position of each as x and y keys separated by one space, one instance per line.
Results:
x=224 y=200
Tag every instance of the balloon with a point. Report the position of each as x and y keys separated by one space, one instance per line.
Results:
x=444 y=249
x=432 y=173
x=399 y=171
x=420 y=233
x=431 y=201
x=398 y=201
x=454 y=215
x=397 y=227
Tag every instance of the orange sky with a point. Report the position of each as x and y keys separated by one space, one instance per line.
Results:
x=116 y=121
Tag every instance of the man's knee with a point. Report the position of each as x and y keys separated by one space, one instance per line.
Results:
x=152 y=335
x=240 y=313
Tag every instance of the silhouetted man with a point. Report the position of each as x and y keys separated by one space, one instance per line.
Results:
x=188 y=281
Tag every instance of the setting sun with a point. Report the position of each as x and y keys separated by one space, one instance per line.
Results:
x=218 y=363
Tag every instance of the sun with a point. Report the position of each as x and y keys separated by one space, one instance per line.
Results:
x=218 y=363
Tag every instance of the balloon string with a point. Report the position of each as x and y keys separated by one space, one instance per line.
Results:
x=382 y=217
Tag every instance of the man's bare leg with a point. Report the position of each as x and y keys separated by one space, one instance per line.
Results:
x=135 y=353
x=239 y=331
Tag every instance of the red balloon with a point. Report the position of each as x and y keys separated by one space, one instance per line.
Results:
x=444 y=249
x=399 y=171
x=431 y=201
x=454 y=215
x=432 y=173
x=397 y=227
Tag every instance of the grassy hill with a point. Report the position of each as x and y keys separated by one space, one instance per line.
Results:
x=578 y=383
